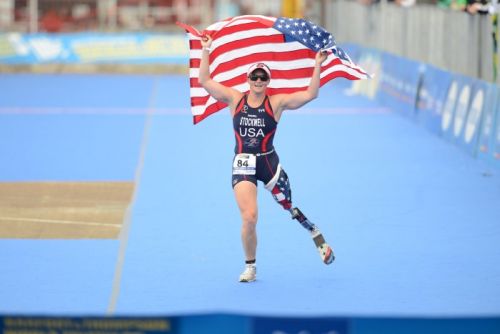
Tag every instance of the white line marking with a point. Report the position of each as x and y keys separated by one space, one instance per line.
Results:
x=172 y=111
x=127 y=221
x=92 y=111
x=62 y=222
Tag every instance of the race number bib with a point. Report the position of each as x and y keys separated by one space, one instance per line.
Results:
x=244 y=164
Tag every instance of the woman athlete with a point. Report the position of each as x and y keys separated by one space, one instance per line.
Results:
x=255 y=118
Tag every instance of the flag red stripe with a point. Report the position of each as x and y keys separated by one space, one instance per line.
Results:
x=275 y=56
x=246 y=42
x=338 y=74
x=195 y=44
x=196 y=101
x=190 y=29
x=263 y=57
x=298 y=73
x=240 y=27
x=199 y=100
x=193 y=83
x=194 y=63
x=211 y=109
x=261 y=20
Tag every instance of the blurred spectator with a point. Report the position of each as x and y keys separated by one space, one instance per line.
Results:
x=478 y=7
x=51 y=21
x=405 y=3
x=402 y=3
x=252 y=7
x=452 y=4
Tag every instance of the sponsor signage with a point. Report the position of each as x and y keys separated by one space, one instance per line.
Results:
x=432 y=98
x=399 y=83
x=77 y=48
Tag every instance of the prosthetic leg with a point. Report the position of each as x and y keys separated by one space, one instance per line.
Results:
x=282 y=193
x=324 y=250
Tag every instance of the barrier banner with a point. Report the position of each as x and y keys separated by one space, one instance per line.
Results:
x=231 y=323
x=486 y=141
x=86 y=325
x=496 y=133
x=482 y=98
x=74 y=48
x=304 y=325
x=399 y=83
x=431 y=97
x=456 y=107
x=371 y=61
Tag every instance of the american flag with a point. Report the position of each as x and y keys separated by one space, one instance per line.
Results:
x=287 y=45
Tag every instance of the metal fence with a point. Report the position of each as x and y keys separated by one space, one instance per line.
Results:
x=452 y=40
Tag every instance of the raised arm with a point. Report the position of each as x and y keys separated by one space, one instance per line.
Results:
x=298 y=99
x=218 y=91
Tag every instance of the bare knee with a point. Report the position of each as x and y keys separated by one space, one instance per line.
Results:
x=249 y=219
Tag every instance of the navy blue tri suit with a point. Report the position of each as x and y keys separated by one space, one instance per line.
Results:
x=254 y=129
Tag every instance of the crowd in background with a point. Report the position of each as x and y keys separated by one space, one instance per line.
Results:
x=468 y=6
x=133 y=15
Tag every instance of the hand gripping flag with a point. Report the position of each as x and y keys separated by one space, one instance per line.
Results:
x=287 y=45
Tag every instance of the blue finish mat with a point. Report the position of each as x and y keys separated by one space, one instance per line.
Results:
x=413 y=220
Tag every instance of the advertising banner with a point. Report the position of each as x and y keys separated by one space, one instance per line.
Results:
x=486 y=141
x=456 y=107
x=496 y=133
x=431 y=97
x=232 y=323
x=74 y=48
x=481 y=99
x=399 y=83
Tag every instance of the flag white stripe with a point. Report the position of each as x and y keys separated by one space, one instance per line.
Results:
x=237 y=21
x=239 y=35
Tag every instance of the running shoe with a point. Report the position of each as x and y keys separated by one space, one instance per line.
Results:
x=250 y=273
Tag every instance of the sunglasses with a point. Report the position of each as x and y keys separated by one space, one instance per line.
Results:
x=255 y=77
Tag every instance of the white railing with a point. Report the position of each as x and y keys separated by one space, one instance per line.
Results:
x=452 y=40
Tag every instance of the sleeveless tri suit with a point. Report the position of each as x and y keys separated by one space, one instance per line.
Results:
x=255 y=157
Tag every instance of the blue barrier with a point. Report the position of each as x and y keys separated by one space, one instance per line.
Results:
x=486 y=141
x=74 y=48
x=480 y=101
x=462 y=110
x=496 y=133
x=229 y=324
x=399 y=83
x=431 y=98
